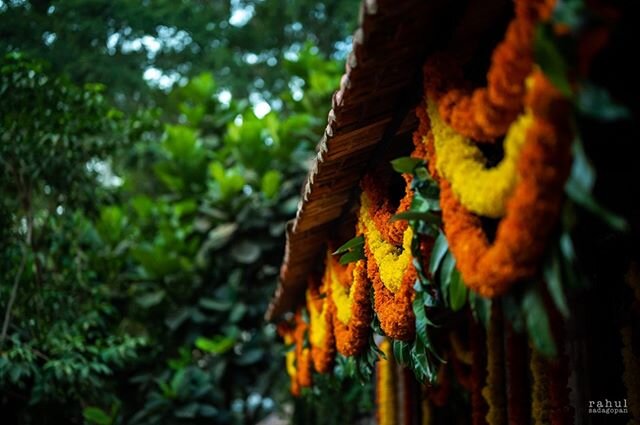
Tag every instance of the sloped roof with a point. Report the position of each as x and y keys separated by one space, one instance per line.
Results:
x=373 y=106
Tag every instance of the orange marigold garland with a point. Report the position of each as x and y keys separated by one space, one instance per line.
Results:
x=490 y=268
x=350 y=304
x=389 y=260
x=485 y=113
x=321 y=337
x=298 y=358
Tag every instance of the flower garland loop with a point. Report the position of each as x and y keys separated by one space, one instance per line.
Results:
x=490 y=268
x=350 y=305
x=389 y=259
x=486 y=113
x=321 y=337
x=481 y=190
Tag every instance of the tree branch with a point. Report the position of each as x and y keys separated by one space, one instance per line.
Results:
x=12 y=298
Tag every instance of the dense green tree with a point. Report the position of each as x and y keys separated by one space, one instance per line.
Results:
x=243 y=43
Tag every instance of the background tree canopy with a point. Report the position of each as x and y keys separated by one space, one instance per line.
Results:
x=151 y=153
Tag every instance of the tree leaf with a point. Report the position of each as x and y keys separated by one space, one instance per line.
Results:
x=406 y=164
x=95 y=415
x=151 y=299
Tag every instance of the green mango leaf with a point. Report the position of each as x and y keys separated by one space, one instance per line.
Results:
x=438 y=252
x=350 y=244
x=352 y=256
x=457 y=291
x=97 y=416
x=552 y=272
x=446 y=270
x=596 y=102
x=406 y=164
x=421 y=319
x=537 y=323
x=551 y=60
x=401 y=352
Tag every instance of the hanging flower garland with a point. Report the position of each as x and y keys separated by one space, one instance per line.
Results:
x=481 y=190
x=486 y=113
x=493 y=392
x=479 y=406
x=389 y=259
x=516 y=378
x=540 y=406
x=350 y=304
x=386 y=402
x=321 y=337
x=531 y=211
x=286 y=331
x=298 y=358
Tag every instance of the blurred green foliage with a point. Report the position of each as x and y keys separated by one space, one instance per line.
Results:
x=139 y=250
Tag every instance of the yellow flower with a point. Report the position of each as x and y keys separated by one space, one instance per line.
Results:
x=392 y=261
x=343 y=296
x=317 y=321
x=481 y=190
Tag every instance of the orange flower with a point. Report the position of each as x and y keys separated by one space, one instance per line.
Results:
x=321 y=337
x=392 y=303
x=490 y=268
x=298 y=360
x=350 y=304
x=486 y=113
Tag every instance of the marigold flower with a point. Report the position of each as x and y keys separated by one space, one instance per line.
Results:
x=321 y=337
x=486 y=113
x=481 y=190
x=349 y=300
x=490 y=268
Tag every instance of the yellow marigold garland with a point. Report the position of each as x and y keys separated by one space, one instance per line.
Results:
x=386 y=403
x=490 y=268
x=481 y=190
x=389 y=260
x=350 y=304
x=486 y=112
x=321 y=337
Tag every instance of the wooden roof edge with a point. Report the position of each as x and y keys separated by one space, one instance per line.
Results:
x=378 y=21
